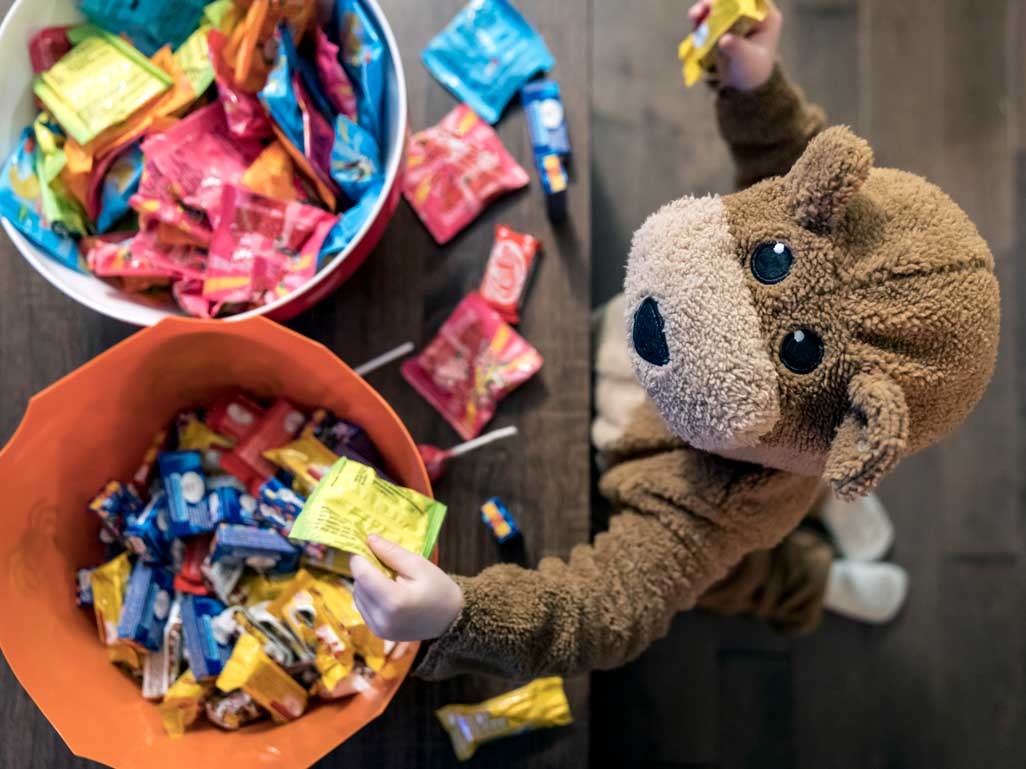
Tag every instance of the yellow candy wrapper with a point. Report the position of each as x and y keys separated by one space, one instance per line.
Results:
x=123 y=655
x=182 y=704
x=251 y=670
x=109 y=583
x=273 y=175
x=697 y=52
x=539 y=705
x=193 y=58
x=352 y=502
x=307 y=459
x=102 y=81
x=338 y=599
x=256 y=587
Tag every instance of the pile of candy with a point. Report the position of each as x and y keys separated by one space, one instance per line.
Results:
x=206 y=150
x=222 y=594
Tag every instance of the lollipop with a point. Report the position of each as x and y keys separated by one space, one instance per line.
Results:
x=436 y=458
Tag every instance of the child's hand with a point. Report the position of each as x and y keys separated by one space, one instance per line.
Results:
x=745 y=63
x=420 y=604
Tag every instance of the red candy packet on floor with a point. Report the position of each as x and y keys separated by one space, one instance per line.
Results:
x=455 y=169
x=262 y=245
x=475 y=361
x=508 y=272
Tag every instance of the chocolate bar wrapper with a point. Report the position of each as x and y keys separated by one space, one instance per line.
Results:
x=206 y=650
x=147 y=605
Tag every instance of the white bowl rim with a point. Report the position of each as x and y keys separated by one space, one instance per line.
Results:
x=34 y=255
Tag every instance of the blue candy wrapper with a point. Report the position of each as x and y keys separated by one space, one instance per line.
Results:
x=151 y=24
x=229 y=505
x=282 y=498
x=363 y=58
x=182 y=473
x=485 y=56
x=21 y=205
x=497 y=518
x=349 y=224
x=119 y=185
x=206 y=649
x=546 y=119
x=260 y=549
x=114 y=505
x=355 y=160
x=148 y=534
x=146 y=606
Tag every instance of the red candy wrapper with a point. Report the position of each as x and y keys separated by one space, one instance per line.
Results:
x=47 y=47
x=455 y=169
x=508 y=272
x=263 y=248
x=244 y=114
x=277 y=427
x=234 y=416
x=189 y=578
x=112 y=256
x=182 y=262
x=474 y=362
x=337 y=86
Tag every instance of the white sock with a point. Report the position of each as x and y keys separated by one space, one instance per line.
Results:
x=864 y=591
x=862 y=530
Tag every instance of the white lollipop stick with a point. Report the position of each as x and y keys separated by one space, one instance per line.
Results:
x=484 y=440
x=383 y=360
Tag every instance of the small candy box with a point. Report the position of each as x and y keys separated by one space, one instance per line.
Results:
x=146 y=607
x=114 y=505
x=148 y=534
x=546 y=119
x=162 y=667
x=508 y=272
x=185 y=485
x=497 y=517
x=234 y=416
x=276 y=428
x=697 y=52
x=206 y=649
x=260 y=549
x=229 y=505
x=474 y=362
x=287 y=503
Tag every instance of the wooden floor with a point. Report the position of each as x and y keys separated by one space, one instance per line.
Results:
x=938 y=87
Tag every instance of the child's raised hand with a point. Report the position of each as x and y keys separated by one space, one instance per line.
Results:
x=745 y=63
x=418 y=605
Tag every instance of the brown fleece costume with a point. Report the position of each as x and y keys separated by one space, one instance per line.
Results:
x=866 y=335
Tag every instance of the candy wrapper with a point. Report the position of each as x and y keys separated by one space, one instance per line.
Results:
x=21 y=204
x=698 y=51
x=333 y=78
x=102 y=81
x=352 y=502
x=111 y=199
x=232 y=711
x=195 y=435
x=508 y=272
x=546 y=119
x=114 y=505
x=230 y=505
x=474 y=362
x=542 y=704
x=109 y=583
x=363 y=56
x=355 y=159
x=185 y=484
x=234 y=416
x=147 y=605
x=243 y=111
x=194 y=60
x=284 y=501
x=47 y=47
x=455 y=169
x=148 y=534
x=150 y=24
x=259 y=549
x=251 y=670
x=206 y=649
x=273 y=175
x=496 y=516
x=485 y=56
x=307 y=459
x=162 y=667
x=349 y=225
x=189 y=576
x=182 y=704
x=343 y=437
x=143 y=476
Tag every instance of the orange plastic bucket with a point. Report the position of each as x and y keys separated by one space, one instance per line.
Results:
x=94 y=425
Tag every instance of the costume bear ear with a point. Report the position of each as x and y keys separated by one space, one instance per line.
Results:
x=823 y=181
x=870 y=439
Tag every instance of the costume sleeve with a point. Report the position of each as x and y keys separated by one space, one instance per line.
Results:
x=687 y=518
x=767 y=129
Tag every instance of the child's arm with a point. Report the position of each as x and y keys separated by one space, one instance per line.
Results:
x=687 y=518
x=764 y=119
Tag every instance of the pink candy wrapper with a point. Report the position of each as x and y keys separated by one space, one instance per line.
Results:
x=334 y=79
x=244 y=114
x=455 y=169
x=475 y=361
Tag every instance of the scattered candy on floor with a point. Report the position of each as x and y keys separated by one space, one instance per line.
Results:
x=508 y=272
x=496 y=516
x=219 y=602
x=222 y=202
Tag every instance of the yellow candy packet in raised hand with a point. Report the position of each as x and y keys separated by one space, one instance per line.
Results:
x=182 y=704
x=109 y=583
x=351 y=501
x=263 y=679
x=99 y=83
x=697 y=52
x=539 y=705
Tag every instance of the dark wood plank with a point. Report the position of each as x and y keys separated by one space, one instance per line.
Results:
x=755 y=690
x=406 y=290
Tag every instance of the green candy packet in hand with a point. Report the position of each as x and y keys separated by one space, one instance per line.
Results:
x=351 y=502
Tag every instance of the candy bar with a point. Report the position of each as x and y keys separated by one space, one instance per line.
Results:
x=509 y=269
x=363 y=57
x=306 y=459
x=108 y=583
x=698 y=51
x=162 y=667
x=223 y=577
x=146 y=607
x=114 y=505
x=182 y=704
x=546 y=119
x=205 y=650
x=195 y=435
x=182 y=472
x=148 y=533
x=474 y=362
x=342 y=436
x=486 y=54
x=260 y=549
x=541 y=704
x=283 y=500
x=229 y=505
x=232 y=711
x=145 y=474
x=276 y=428
x=352 y=502
x=251 y=670
x=234 y=416
x=497 y=518
x=189 y=576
